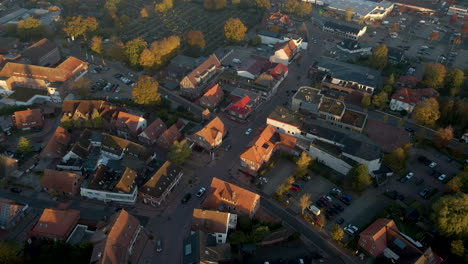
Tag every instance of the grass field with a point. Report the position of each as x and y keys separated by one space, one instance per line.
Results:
x=182 y=18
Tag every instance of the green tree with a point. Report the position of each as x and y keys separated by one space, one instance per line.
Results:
x=255 y=40
x=349 y=13
x=263 y=4
x=195 y=38
x=380 y=100
x=434 y=75
x=443 y=136
x=112 y=6
x=427 y=112
x=397 y=159
x=30 y=28
x=116 y=51
x=9 y=253
x=145 y=92
x=79 y=26
x=24 y=146
x=304 y=201
x=379 y=57
x=234 y=30
x=365 y=101
x=337 y=233
x=77 y=122
x=66 y=122
x=390 y=80
x=360 y=178
x=454 y=80
x=420 y=135
x=450 y=214
x=133 y=49
x=235 y=2
x=179 y=152
x=302 y=165
x=259 y=233
x=98 y=121
x=303 y=9
x=237 y=237
x=457 y=248
x=96 y=44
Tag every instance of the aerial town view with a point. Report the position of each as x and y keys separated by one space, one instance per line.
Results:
x=233 y=131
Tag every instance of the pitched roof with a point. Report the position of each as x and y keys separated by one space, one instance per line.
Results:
x=126 y=182
x=408 y=80
x=278 y=71
x=39 y=49
x=61 y=73
x=127 y=120
x=209 y=221
x=56 y=146
x=279 y=18
x=214 y=95
x=56 y=223
x=289 y=48
x=9 y=210
x=377 y=232
x=118 y=145
x=222 y=193
x=112 y=242
x=242 y=106
x=261 y=147
x=202 y=68
x=171 y=134
x=154 y=130
x=28 y=116
x=253 y=66
x=414 y=96
x=161 y=179
x=211 y=131
x=60 y=180
x=86 y=107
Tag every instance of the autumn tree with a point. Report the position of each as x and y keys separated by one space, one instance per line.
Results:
x=9 y=253
x=147 y=59
x=290 y=6
x=459 y=183
x=349 y=13
x=443 y=136
x=360 y=178
x=164 y=50
x=96 y=44
x=337 y=233
x=450 y=214
x=302 y=164
x=81 y=86
x=24 y=146
x=427 y=112
x=79 y=26
x=303 y=9
x=234 y=30
x=365 y=101
x=395 y=27
x=380 y=100
x=144 y=12
x=255 y=40
x=214 y=4
x=96 y=118
x=195 y=38
x=179 y=152
x=164 y=6
x=30 y=28
x=304 y=201
x=434 y=75
x=454 y=80
x=112 y=6
x=379 y=57
x=145 y=92
x=457 y=248
x=133 y=49
x=397 y=159
x=263 y=4
x=116 y=51
x=66 y=122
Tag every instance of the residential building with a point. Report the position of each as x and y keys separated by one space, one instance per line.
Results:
x=111 y=186
x=7 y=166
x=122 y=240
x=362 y=9
x=353 y=47
x=212 y=97
x=408 y=81
x=57 y=146
x=180 y=66
x=31 y=119
x=461 y=11
x=407 y=99
x=42 y=53
x=240 y=93
x=55 y=224
x=171 y=135
x=202 y=248
x=278 y=21
x=347 y=77
x=251 y=69
x=47 y=17
x=151 y=134
x=128 y=125
x=383 y=241
x=241 y=109
x=7 y=44
x=163 y=181
x=227 y=197
x=193 y=85
x=81 y=150
x=210 y=136
x=11 y=213
x=214 y=223
x=84 y=109
x=50 y=83
x=61 y=183
x=285 y=52
x=342 y=30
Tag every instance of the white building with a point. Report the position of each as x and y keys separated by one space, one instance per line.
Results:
x=461 y=11
x=214 y=223
x=285 y=53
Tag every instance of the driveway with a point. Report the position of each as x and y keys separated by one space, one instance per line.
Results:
x=277 y=175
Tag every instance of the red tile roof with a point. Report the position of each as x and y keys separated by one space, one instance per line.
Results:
x=209 y=221
x=241 y=106
x=126 y=120
x=153 y=131
x=39 y=49
x=25 y=118
x=278 y=71
x=57 y=145
x=211 y=61
x=213 y=96
x=170 y=135
x=210 y=133
x=262 y=147
x=408 y=81
x=277 y=17
x=289 y=48
x=225 y=196
x=374 y=238
x=60 y=180
x=414 y=96
x=55 y=223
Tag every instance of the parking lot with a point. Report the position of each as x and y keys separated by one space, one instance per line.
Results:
x=109 y=83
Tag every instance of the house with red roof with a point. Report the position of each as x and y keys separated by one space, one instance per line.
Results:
x=407 y=99
x=251 y=69
x=161 y=184
x=28 y=119
x=151 y=134
x=241 y=109
x=279 y=20
x=55 y=223
x=387 y=244
x=128 y=125
x=211 y=135
x=195 y=82
x=408 y=81
x=62 y=183
x=285 y=52
x=11 y=213
x=212 y=97
x=172 y=134
x=279 y=71
x=57 y=146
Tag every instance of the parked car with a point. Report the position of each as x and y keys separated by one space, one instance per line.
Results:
x=350 y=230
x=424 y=193
x=407 y=177
x=118 y=75
x=442 y=177
x=248 y=131
x=158 y=246
x=186 y=198
x=15 y=190
x=201 y=192
x=336 y=192
x=298 y=185
x=315 y=210
x=295 y=188
x=328 y=198
x=325 y=202
x=432 y=165
x=346 y=199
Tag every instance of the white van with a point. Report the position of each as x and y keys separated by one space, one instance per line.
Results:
x=314 y=209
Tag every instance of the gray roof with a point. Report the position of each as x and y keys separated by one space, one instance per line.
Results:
x=345 y=28
x=361 y=7
x=187 y=61
x=285 y=115
x=13 y=15
x=308 y=94
x=239 y=92
x=350 y=72
x=200 y=247
x=267 y=33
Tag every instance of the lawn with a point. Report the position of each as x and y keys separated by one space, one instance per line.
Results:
x=182 y=18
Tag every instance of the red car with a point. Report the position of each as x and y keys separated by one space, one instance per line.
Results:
x=295 y=188
x=324 y=201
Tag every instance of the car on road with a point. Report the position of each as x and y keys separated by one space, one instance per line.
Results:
x=248 y=131
x=186 y=198
x=158 y=246
x=15 y=190
x=201 y=192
